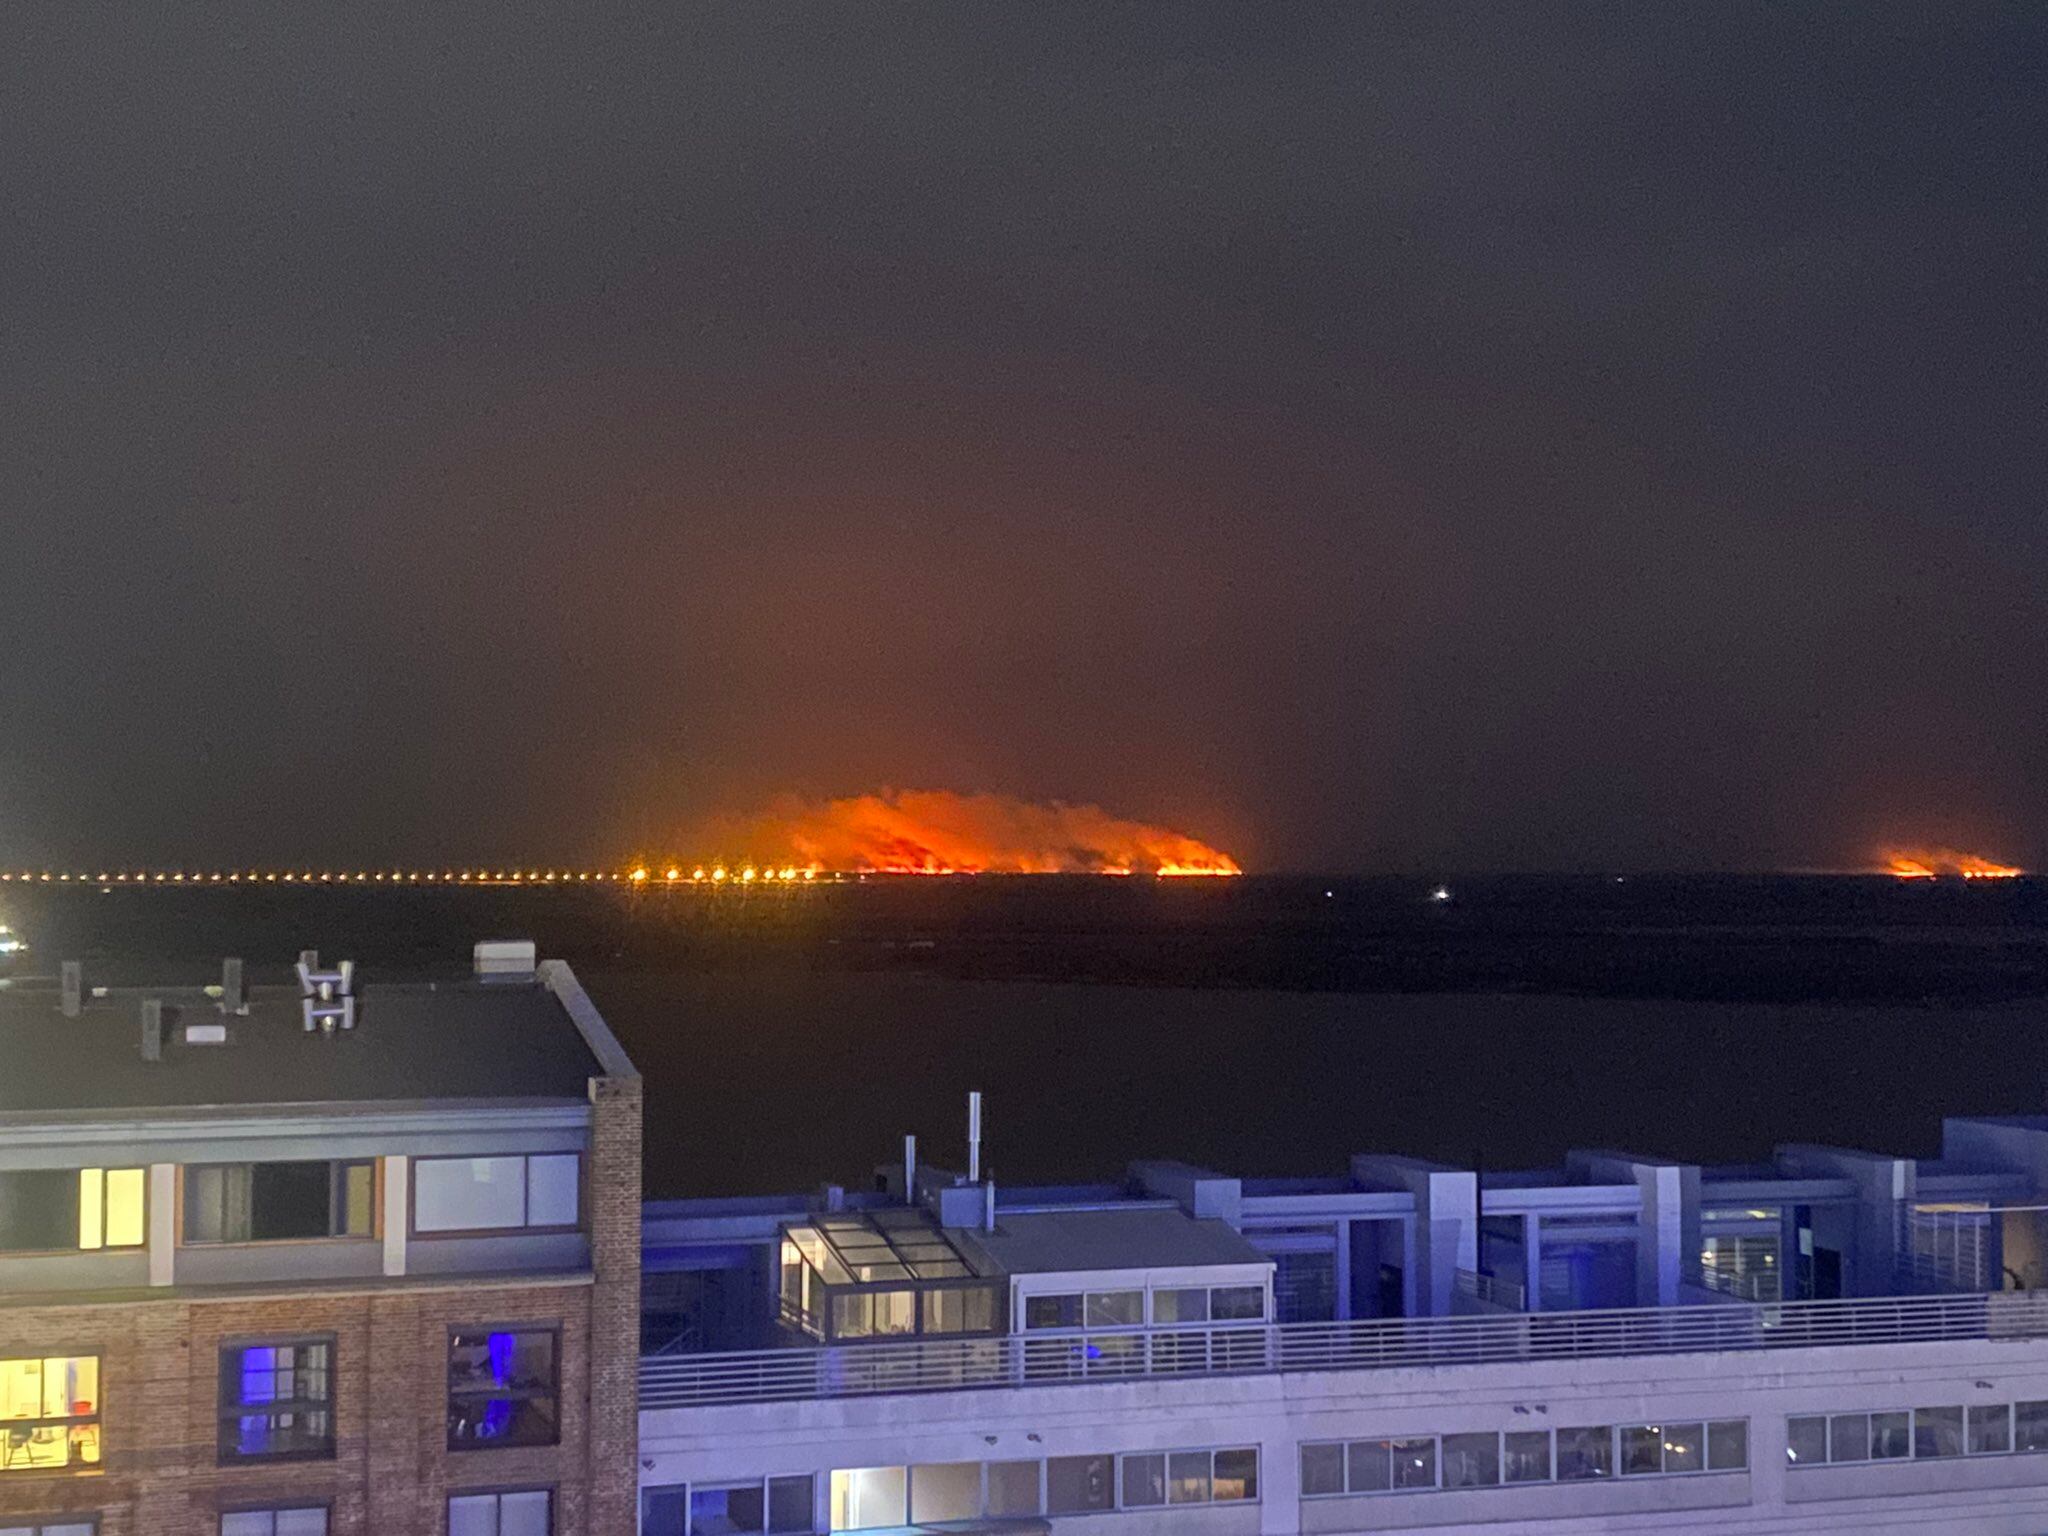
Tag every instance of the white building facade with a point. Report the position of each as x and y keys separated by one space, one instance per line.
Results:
x=1833 y=1341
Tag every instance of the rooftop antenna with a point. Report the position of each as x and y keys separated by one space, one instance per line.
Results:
x=74 y=988
x=910 y=1170
x=233 y=999
x=152 y=1029
x=974 y=1137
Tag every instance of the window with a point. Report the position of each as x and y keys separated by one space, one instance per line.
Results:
x=1585 y=1453
x=1180 y=1306
x=276 y=1401
x=490 y=1194
x=960 y=1309
x=110 y=1208
x=1077 y=1485
x=503 y=1388
x=69 y=1525
x=1937 y=1432
x=1657 y=1448
x=1115 y=1309
x=727 y=1510
x=1728 y=1446
x=1237 y=1303
x=2030 y=1426
x=49 y=1413
x=863 y=1497
x=57 y=1210
x=306 y=1520
x=1052 y=1311
x=1187 y=1477
x=1322 y=1470
x=777 y=1505
x=526 y=1512
x=1525 y=1456
x=1413 y=1462
x=1896 y=1434
x=945 y=1491
x=1013 y=1489
x=1471 y=1461
x=1144 y=1480
x=665 y=1510
x=1366 y=1466
x=1236 y=1475
x=279 y=1202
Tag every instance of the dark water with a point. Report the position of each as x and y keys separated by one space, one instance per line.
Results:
x=1259 y=1025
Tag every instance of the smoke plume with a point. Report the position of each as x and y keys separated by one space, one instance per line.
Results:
x=936 y=832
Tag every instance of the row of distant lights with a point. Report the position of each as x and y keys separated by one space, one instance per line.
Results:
x=638 y=875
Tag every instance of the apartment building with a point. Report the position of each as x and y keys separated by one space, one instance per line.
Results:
x=1831 y=1340
x=338 y=1257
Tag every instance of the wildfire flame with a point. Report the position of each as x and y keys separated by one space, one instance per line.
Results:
x=1932 y=863
x=936 y=832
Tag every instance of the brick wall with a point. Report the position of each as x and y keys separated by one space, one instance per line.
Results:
x=391 y=1474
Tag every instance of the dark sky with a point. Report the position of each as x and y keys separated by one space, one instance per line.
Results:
x=1368 y=436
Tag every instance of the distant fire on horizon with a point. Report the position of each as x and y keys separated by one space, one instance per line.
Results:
x=938 y=832
x=1933 y=863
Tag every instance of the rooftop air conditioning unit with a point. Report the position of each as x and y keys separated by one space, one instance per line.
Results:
x=505 y=960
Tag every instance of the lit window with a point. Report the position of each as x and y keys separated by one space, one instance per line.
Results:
x=278 y=1202
x=277 y=1401
x=110 y=1208
x=865 y=1497
x=945 y=1491
x=528 y=1512
x=59 y=1210
x=494 y=1194
x=49 y=1413
x=306 y=1520
x=503 y=1388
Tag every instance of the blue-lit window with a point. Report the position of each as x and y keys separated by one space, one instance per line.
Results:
x=277 y=1400
x=504 y=1388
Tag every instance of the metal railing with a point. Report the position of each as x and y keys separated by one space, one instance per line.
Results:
x=1506 y=1292
x=1034 y=1360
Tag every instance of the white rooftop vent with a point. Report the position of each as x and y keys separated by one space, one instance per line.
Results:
x=328 y=998
x=206 y=1034
x=505 y=959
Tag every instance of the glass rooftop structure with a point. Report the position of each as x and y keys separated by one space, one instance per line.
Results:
x=881 y=1275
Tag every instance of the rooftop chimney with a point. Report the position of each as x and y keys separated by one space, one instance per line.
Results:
x=505 y=960
x=232 y=997
x=152 y=1029
x=74 y=988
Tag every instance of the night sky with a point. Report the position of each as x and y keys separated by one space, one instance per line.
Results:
x=1365 y=436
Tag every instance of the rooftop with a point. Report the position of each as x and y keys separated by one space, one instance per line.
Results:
x=460 y=1039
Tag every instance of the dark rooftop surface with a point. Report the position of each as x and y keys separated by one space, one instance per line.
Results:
x=444 y=1040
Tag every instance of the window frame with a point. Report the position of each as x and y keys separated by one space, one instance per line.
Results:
x=499 y=1491
x=1384 y=1446
x=76 y=1225
x=324 y=1506
x=296 y=1406
x=1971 y=1413
x=41 y=1525
x=525 y=1228
x=337 y=1173
x=94 y=1421
x=554 y=1330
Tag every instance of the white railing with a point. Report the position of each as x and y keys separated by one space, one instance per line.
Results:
x=1027 y=1360
x=1504 y=1292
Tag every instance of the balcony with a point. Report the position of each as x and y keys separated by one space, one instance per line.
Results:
x=1023 y=1361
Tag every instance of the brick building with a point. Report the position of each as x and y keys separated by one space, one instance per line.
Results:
x=325 y=1259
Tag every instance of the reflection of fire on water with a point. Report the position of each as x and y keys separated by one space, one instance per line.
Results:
x=935 y=832
x=1932 y=863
